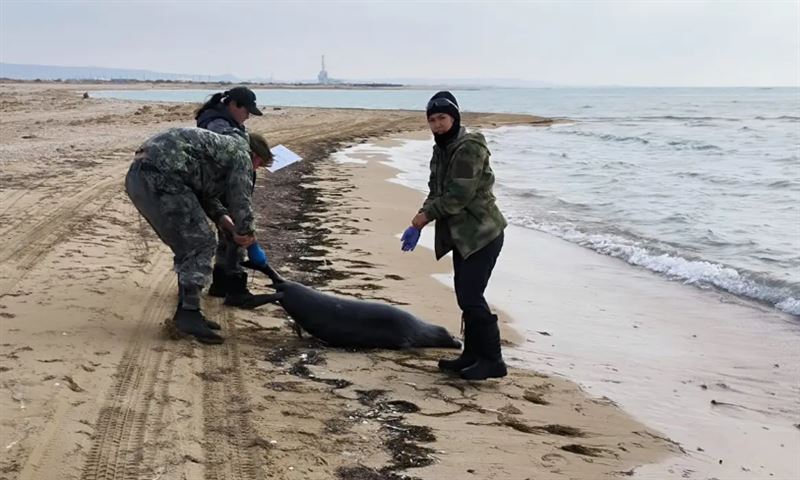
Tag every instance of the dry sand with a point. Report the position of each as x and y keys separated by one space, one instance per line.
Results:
x=93 y=389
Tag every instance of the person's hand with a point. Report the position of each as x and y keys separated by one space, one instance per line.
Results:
x=419 y=221
x=225 y=222
x=410 y=238
x=256 y=254
x=243 y=240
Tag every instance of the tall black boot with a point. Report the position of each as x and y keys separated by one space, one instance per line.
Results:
x=219 y=283
x=238 y=294
x=467 y=357
x=193 y=322
x=189 y=319
x=490 y=362
x=209 y=323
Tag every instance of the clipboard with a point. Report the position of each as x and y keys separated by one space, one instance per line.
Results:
x=282 y=157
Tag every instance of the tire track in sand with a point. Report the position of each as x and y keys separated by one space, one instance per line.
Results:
x=233 y=449
x=30 y=243
x=130 y=417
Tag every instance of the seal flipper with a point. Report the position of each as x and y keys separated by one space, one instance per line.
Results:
x=297 y=329
x=261 y=299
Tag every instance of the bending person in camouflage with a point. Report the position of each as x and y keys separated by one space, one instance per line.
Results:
x=469 y=223
x=176 y=181
x=225 y=113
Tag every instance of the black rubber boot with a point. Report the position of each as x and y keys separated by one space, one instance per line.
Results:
x=219 y=283
x=212 y=324
x=467 y=356
x=490 y=362
x=192 y=322
x=209 y=323
x=238 y=294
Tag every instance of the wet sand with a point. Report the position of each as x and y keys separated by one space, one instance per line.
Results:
x=716 y=373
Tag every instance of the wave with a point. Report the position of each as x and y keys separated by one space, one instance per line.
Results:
x=604 y=136
x=716 y=180
x=692 y=144
x=681 y=118
x=783 y=184
x=782 y=117
x=680 y=144
x=696 y=272
x=690 y=118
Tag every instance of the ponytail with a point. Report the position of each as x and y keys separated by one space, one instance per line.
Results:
x=212 y=102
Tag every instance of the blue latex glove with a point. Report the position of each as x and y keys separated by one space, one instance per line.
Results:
x=410 y=238
x=256 y=254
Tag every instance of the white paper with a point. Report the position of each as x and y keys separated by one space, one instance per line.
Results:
x=282 y=157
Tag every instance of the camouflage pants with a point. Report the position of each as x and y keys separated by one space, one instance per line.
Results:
x=175 y=213
x=228 y=254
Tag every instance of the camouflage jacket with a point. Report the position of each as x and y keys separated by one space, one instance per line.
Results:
x=461 y=199
x=219 y=120
x=213 y=166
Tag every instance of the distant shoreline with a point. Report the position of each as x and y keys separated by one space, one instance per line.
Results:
x=170 y=84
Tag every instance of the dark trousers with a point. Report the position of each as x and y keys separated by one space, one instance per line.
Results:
x=471 y=278
x=228 y=254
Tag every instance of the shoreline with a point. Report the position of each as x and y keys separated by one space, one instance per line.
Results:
x=648 y=334
x=376 y=202
x=90 y=381
x=181 y=84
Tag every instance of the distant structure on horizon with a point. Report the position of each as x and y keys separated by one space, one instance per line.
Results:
x=322 y=76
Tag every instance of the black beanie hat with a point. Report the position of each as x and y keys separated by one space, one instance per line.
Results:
x=444 y=102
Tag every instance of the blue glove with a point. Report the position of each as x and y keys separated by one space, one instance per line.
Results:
x=257 y=255
x=410 y=238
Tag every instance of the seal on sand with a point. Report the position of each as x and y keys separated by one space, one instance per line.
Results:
x=343 y=322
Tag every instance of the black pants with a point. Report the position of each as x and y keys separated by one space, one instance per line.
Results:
x=471 y=278
x=228 y=254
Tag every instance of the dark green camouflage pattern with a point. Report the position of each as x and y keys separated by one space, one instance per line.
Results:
x=228 y=255
x=461 y=199
x=213 y=166
x=176 y=182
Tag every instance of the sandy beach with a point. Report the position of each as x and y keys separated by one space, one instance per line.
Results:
x=94 y=389
x=715 y=373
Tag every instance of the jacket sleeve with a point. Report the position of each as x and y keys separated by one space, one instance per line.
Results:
x=213 y=208
x=239 y=193
x=431 y=188
x=461 y=183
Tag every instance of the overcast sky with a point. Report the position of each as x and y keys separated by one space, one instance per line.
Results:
x=667 y=43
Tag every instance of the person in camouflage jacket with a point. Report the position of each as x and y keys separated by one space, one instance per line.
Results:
x=176 y=181
x=226 y=113
x=469 y=224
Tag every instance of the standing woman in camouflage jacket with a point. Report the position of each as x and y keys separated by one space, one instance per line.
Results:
x=176 y=181
x=225 y=113
x=469 y=224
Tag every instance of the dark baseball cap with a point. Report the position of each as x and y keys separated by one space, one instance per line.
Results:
x=244 y=97
x=259 y=146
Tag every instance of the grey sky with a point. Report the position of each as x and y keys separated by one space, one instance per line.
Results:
x=581 y=42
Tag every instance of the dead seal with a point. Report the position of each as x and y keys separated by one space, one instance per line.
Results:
x=344 y=322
